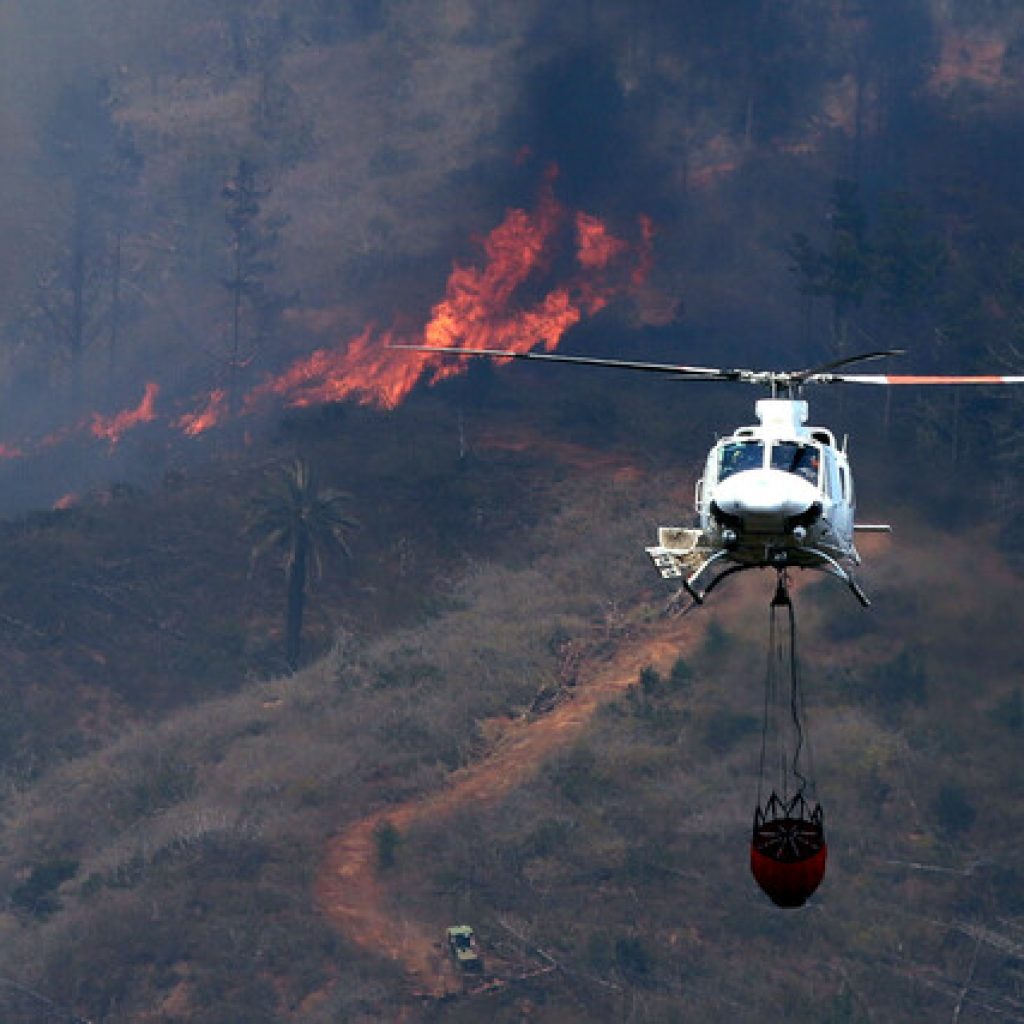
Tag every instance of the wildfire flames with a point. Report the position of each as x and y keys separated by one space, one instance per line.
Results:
x=110 y=428
x=596 y=248
x=478 y=310
x=192 y=424
x=521 y=293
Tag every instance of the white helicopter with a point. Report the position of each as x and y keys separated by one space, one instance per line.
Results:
x=775 y=495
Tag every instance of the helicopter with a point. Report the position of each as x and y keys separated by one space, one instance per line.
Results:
x=778 y=494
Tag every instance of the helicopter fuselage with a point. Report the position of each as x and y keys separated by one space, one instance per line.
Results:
x=775 y=495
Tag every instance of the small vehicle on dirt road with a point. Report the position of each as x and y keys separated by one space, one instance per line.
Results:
x=462 y=945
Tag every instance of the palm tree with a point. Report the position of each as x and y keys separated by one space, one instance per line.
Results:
x=303 y=523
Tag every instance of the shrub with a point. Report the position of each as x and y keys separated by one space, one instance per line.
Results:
x=1009 y=712
x=579 y=776
x=632 y=956
x=1007 y=888
x=35 y=895
x=549 y=837
x=388 y=839
x=162 y=782
x=842 y=1009
x=681 y=675
x=725 y=728
x=599 y=951
x=954 y=811
x=650 y=681
x=900 y=681
x=716 y=640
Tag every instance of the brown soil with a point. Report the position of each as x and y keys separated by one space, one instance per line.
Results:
x=348 y=888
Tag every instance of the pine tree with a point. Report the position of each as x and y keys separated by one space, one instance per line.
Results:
x=86 y=148
x=252 y=241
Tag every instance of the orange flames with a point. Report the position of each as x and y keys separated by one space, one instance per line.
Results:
x=520 y=294
x=645 y=256
x=110 y=428
x=596 y=248
x=192 y=424
x=479 y=310
x=103 y=428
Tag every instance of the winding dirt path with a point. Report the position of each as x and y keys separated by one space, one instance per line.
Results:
x=348 y=889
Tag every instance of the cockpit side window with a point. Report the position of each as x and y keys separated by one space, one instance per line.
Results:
x=801 y=459
x=737 y=456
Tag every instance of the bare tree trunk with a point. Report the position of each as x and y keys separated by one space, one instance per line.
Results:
x=115 y=314
x=76 y=334
x=296 y=603
x=236 y=327
x=861 y=73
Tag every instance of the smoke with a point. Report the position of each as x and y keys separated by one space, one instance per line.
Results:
x=386 y=136
x=537 y=274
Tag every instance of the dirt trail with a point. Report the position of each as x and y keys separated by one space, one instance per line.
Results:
x=348 y=889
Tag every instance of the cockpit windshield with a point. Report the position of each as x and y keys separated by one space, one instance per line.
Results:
x=737 y=456
x=792 y=457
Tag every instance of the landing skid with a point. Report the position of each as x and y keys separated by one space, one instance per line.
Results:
x=698 y=595
x=833 y=568
x=670 y=567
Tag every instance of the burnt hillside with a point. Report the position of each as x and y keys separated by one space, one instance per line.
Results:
x=220 y=219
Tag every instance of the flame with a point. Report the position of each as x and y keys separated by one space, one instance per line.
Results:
x=520 y=293
x=69 y=500
x=645 y=256
x=596 y=248
x=192 y=424
x=479 y=310
x=110 y=428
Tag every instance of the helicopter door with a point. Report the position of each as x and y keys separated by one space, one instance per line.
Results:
x=843 y=503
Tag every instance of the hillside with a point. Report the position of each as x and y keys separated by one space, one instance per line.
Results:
x=189 y=851
x=140 y=600
x=346 y=731
x=221 y=217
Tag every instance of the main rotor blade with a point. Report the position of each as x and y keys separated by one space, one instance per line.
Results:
x=863 y=357
x=820 y=375
x=686 y=372
x=894 y=379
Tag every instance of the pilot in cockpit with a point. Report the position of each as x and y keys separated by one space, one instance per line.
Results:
x=738 y=456
x=801 y=459
x=807 y=465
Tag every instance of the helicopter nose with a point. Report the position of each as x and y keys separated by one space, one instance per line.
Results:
x=764 y=499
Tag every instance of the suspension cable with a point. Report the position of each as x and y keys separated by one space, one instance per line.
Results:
x=769 y=699
x=795 y=702
x=787 y=764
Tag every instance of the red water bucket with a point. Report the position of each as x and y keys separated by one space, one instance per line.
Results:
x=788 y=850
